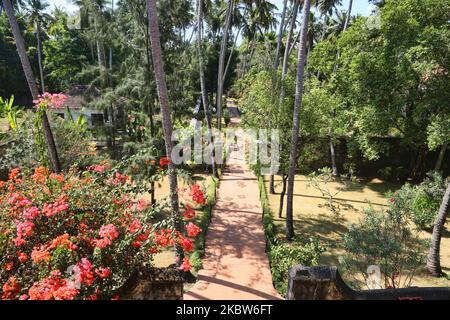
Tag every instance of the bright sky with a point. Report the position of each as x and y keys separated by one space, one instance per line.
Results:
x=359 y=6
x=67 y=4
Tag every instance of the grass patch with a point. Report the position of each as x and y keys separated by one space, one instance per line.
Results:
x=312 y=217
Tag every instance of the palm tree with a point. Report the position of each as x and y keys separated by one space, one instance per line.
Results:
x=22 y=51
x=37 y=17
x=280 y=36
x=275 y=68
x=223 y=49
x=433 y=261
x=302 y=57
x=160 y=78
x=336 y=66
x=202 y=78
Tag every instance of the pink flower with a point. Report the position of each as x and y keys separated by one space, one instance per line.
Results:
x=25 y=229
x=19 y=241
x=120 y=178
x=102 y=243
x=83 y=272
x=109 y=231
x=31 y=213
x=192 y=230
x=24 y=203
x=97 y=168
x=142 y=205
x=53 y=209
x=50 y=101
x=135 y=226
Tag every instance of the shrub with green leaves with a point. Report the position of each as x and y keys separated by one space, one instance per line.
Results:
x=385 y=239
x=283 y=256
x=421 y=202
x=74 y=142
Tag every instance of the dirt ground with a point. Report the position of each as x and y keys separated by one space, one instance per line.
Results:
x=313 y=218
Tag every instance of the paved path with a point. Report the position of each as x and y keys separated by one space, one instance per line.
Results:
x=235 y=266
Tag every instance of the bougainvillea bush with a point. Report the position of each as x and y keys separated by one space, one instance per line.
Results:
x=79 y=235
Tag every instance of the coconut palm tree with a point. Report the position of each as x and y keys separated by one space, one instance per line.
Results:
x=433 y=261
x=37 y=17
x=281 y=29
x=336 y=66
x=302 y=57
x=223 y=49
x=202 y=78
x=22 y=51
x=276 y=64
x=160 y=78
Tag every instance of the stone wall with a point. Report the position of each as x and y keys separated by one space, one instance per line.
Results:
x=154 y=284
x=325 y=283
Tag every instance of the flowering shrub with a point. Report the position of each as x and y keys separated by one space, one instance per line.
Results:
x=79 y=235
x=50 y=101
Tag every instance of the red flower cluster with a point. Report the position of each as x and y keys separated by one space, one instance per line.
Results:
x=10 y=289
x=164 y=161
x=189 y=213
x=53 y=287
x=198 y=195
x=192 y=230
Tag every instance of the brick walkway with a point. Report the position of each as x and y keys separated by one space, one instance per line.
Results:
x=235 y=266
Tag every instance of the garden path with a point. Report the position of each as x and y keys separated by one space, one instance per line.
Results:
x=235 y=266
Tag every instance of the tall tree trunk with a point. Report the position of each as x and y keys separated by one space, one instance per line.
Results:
x=248 y=63
x=349 y=14
x=160 y=78
x=202 y=80
x=39 y=50
x=296 y=120
x=441 y=156
x=276 y=62
x=333 y=156
x=223 y=50
x=282 y=194
x=22 y=51
x=230 y=57
x=336 y=66
x=433 y=261
x=284 y=70
x=286 y=55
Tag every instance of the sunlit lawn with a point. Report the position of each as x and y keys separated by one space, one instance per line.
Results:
x=312 y=218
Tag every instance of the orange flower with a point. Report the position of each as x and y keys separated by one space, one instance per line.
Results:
x=186 y=265
x=39 y=255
